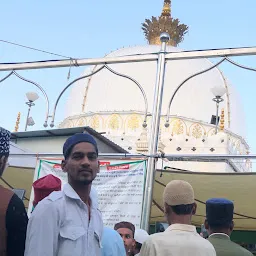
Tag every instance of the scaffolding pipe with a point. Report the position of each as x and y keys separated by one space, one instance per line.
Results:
x=42 y=155
x=170 y=157
x=197 y=54
x=154 y=138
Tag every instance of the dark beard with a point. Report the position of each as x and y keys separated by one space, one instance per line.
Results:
x=86 y=182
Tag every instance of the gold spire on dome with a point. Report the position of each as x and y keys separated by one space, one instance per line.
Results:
x=165 y=23
x=167 y=9
x=17 y=123
x=222 y=120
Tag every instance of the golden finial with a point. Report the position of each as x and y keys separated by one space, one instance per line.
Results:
x=167 y=8
x=165 y=23
x=17 y=123
x=222 y=120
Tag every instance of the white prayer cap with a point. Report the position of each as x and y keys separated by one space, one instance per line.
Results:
x=141 y=236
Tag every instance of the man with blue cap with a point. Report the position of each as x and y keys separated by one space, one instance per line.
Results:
x=68 y=222
x=219 y=224
x=13 y=216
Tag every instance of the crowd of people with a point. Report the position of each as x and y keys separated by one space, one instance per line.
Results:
x=66 y=221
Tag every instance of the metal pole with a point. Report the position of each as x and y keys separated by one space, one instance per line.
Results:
x=217 y=117
x=214 y=53
x=218 y=100
x=170 y=157
x=29 y=108
x=156 y=113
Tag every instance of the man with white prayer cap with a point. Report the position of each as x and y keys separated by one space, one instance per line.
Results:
x=140 y=237
x=13 y=216
x=180 y=238
x=68 y=222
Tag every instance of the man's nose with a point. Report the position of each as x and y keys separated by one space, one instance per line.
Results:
x=85 y=160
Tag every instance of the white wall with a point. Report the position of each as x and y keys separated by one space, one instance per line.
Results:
x=54 y=145
x=198 y=166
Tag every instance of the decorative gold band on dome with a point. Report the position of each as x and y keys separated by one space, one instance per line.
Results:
x=156 y=41
x=165 y=23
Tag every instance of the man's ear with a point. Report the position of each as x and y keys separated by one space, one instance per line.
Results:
x=63 y=165
x=98 y=167
x=232 y=226
x=166 y=209
x=206 y=225
x=194 y=209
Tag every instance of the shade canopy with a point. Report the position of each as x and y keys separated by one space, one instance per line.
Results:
x=238 y=187
x=19 y=178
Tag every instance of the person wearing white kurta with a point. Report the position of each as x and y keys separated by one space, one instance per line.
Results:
x=59 y=226
x=177 y=240
x=180 y=238
x=68 y=222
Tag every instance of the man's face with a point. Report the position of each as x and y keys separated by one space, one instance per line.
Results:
x=128 y=239
x=82 y=164
x=3 y=163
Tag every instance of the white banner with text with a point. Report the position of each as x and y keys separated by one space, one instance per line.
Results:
x=120 y=187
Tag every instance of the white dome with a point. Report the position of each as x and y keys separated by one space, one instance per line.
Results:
x=106 y=92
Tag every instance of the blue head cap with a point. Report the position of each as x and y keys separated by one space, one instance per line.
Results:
x=4 y=142
x=75 y=139
x=219 y=211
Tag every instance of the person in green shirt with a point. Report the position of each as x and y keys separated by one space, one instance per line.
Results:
x=219 y=224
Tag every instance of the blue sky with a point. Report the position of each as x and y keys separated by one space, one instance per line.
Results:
x=83 y=28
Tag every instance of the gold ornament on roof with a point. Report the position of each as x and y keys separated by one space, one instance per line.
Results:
x=95 y=122
x=133 y=122
x=17 y=123
x=165 y=23
x=197 y=131
x=81 y=122
x=178 y=128
x=222 y=120
x=114 y=122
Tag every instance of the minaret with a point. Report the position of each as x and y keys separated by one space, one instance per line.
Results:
x=17 y=123
x=165 y=23
x=142 y=143
x=222 y=120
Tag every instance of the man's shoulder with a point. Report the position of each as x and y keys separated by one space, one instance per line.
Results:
x=156 y=236
x=240 y=249
x=204 y=242
x=6 y=193
x=194 y=241
x=51 y=203
x=109 y=233
x=53 y=199
x=55 y=196
x=220 y=244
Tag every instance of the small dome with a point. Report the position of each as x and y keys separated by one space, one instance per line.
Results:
x=106 y=92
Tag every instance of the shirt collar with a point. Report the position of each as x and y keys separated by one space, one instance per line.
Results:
x=220 y=235
x=181 y=227
x=71 y=193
